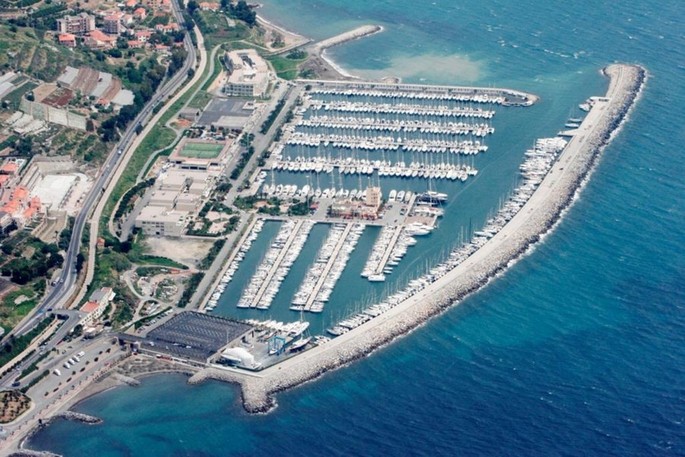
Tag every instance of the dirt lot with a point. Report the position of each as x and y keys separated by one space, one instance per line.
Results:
x=185 y=251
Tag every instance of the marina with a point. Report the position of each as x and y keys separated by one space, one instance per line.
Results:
x=263 y=287
x=383 y=156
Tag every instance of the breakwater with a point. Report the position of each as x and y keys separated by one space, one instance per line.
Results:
x=359 y=32
x=537 y=217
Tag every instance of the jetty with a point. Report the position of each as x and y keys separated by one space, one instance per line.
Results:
x=493 y=253
x=360 y=32
x=277 y=264
x=327 y=269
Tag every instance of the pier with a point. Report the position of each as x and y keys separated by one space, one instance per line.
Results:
x=359 y=32
x=327 y=269
x=277 y=264
x=389 y=249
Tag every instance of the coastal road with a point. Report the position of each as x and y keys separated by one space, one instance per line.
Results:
x=63 y=289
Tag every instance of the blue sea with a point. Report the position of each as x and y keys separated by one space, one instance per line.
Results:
x=576 y=350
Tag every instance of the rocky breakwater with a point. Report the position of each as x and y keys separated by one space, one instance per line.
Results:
x=537 y=217
x=79 y=417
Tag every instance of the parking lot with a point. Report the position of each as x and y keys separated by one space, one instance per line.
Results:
x=194 y=336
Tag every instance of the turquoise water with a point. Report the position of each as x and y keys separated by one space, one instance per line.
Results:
x=578 y=349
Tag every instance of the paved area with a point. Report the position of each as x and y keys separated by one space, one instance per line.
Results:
x=193 y=335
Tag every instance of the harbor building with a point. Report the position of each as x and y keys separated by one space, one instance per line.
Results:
x=248 y=74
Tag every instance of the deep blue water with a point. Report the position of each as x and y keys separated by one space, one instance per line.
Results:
x=577 y=350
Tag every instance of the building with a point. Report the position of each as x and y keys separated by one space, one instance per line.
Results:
x=374 y=197
x=97 y=39
x=139 y=14
x=79 y=24
x=249 y=74
x=67 y=39
x=112 y=24
x=209 y=6
x=159 y=221
x=96 y=305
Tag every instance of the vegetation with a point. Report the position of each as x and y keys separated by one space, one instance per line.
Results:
x=300 y=208
x=190 y=288
x=16 y=345
x=12 y=312
x=287 y=67
x=125 y=205
x=245 y=141
x=32 y=259
x=12 y=405
x=211 y=255
x=272 y=117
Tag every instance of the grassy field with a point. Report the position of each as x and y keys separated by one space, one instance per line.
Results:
x=201 y=150
x=215 y=29
x=14 y=97
x=286 y=68
x=200 y=100
x=11 y=312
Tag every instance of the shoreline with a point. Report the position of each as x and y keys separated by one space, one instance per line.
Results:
x=523 y=234
x=537 y=218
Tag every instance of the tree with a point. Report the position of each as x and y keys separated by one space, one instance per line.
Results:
x=192 y=7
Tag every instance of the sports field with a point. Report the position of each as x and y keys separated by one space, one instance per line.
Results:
x=201 y=150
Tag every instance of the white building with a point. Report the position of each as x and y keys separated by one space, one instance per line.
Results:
x=248 y=74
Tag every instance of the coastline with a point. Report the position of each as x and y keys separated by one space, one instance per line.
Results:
x=538 y=217
x=258 y=389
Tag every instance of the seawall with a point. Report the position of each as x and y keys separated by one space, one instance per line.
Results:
x=537 y=217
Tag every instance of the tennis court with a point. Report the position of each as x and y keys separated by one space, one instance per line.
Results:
x=201 y=150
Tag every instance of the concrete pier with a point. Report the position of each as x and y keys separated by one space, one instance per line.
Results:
x=327 y=269
x=389 y=249
x=274 y=268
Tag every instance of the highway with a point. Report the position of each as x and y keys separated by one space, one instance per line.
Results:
x=64 y=287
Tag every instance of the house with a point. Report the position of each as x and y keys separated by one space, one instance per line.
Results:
x=167 y=28
x=135 y=44
x=127 y=19
x=96 y=305
x=143 y=35
x=209 y=6
x=131 y=3
x=139 y=14
x=98 y=39
x=67 y=39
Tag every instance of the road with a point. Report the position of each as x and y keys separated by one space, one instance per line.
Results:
x=57 y=297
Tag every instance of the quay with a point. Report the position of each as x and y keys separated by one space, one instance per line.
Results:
x=327 y=269
x=277 y=263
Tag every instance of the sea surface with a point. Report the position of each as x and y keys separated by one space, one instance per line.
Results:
x=576 y=350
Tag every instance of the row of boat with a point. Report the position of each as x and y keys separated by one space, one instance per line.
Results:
x=386 y=143
x=275 y=265
x=384 y=168
x=396 y=125
x=456 y=95
x=400 y=108
x=535 y=167
x=322 y=276
x=235 y=263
